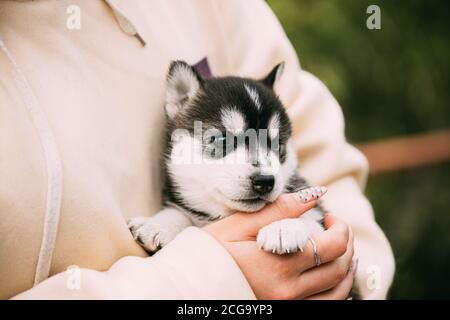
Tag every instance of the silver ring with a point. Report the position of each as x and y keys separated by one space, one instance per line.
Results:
x=316 y=253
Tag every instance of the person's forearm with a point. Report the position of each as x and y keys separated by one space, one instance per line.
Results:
x=193 y=266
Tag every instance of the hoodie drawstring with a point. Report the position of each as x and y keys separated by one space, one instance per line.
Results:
x=53 y=167
x=125 y=24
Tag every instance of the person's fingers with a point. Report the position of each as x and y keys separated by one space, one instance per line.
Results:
x=290 y=205
x=330 y=244
x=328 y=275
x=339 y=292
x=245 y=226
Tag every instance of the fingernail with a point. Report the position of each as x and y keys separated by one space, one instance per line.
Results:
x=312 y=193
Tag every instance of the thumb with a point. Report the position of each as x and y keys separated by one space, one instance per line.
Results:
x=245 y=226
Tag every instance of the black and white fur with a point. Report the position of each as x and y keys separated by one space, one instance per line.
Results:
x=196 y=194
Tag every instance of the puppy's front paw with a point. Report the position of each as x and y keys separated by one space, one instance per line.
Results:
x=284 y=236
x=150 y=234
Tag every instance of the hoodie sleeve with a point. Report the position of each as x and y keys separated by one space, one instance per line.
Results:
x=256 y=43
x=184 y=269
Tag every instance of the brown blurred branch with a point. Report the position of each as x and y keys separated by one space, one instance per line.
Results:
x=407 y=152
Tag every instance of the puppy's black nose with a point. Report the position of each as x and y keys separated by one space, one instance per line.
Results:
x=263 y=183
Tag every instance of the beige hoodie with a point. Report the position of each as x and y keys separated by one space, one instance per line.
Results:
x=81 y=122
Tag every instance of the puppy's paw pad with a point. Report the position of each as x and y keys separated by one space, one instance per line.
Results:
x=284 y=236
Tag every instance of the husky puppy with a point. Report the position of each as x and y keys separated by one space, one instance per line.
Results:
x=228 y=149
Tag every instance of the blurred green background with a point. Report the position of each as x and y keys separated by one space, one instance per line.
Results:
x=389 y=82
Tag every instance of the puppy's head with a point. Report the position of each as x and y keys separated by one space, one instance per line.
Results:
x=229 y=141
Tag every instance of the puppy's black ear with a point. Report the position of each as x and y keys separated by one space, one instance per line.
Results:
x=183 y=83
x=274 y=75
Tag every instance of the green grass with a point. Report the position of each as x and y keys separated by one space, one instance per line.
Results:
x=412 y=207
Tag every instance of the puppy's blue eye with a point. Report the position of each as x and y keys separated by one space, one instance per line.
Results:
x=282 y=151
x=222 y=139
x=218 y=140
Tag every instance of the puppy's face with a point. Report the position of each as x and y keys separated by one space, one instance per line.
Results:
x=230 y=141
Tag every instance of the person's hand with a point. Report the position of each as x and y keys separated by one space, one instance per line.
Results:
x=291 y=276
